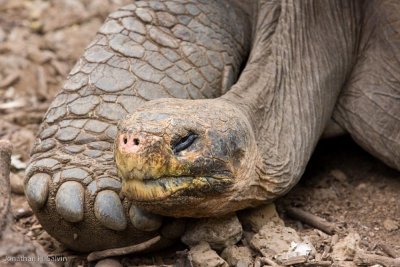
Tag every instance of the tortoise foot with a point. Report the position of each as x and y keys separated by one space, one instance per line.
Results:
x=69 y=201
x=144 y=51
x=109 y=210
x=82 y=208
x=37 y=190
x=143 y=220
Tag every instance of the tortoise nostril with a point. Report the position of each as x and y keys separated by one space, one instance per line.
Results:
x=125 y=140
x=136 y=141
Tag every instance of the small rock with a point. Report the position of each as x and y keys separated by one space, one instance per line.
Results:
x=108 y=263
x=243 y=263
x=20 y=207
x=361 y=186
x=257 y=262
x=202 y=255
x=235 y=255
x=22 y=213
x=390 y=225
x=17 y=184
x=371 y=234
x=298 y=253
x=334 y=239
x=274 y=239
x=246 y=238
x=345 y=249
x=219 y=232
x=2 y=35
x=17 y=163
x=339 y=175
x=255 y=219
x=345 y=264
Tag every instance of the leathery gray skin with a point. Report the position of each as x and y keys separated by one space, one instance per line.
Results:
x=306 y=62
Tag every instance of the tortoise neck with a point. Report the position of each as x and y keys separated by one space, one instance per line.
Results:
x=302 y=53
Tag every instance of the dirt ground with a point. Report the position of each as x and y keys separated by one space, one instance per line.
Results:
x=39 y=43
x=346 y=185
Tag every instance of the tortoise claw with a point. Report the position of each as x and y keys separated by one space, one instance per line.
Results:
x=143 y=220
x=70 y=200
x=109 y=211
x=37 y=190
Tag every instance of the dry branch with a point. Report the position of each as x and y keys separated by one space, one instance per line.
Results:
x=388 y=250
x=365 y=259
x=97 y=255
x=311 y=220
x=5 y=191
x=318 y=263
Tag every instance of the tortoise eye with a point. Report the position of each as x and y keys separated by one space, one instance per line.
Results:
x=184 y=142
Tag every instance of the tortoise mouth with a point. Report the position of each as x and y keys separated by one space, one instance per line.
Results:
x=170 y=187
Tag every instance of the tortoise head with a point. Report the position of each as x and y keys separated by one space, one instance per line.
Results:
x=185 y=157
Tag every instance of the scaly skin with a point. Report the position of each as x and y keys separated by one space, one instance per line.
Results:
x=280 y=129
x=208 y=157
x=144 y=51
x=160 y=173
x=303 y=52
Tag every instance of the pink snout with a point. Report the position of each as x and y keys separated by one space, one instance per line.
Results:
x=129 y=143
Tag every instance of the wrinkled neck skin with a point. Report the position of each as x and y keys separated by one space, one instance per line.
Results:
x=302 y=53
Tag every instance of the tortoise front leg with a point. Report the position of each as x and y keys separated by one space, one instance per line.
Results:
x=144 y=51
x=369 y=105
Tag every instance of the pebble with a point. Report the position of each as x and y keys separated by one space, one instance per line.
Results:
x=345 y=249
x=108 y=263
x=255 y=219
x=243 y=263
x=339 y=175
x=22 y=213
x=298 y=253
x=2 y=35
x=219 y=232
x=17 y=184
x=17 y=163
x=390 y=225
x=361 y=186
x=202 y=255
x=235 y=256
x=274 y=239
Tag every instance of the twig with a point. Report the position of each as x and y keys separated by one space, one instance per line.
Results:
x=9 y=80
x=19 y=103
x=97 y=255
x=327 y=248
x=5 y=190
x=388 y=250
x=311 y=220
x=268 y=261
x=318 y=263
x=362 y=258
x=294 y=260
x=37 y=226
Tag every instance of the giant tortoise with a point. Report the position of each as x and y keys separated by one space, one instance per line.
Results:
x=226 y=101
